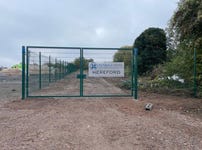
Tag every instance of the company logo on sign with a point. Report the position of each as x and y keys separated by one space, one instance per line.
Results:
x=113 y=69
x=93 y=66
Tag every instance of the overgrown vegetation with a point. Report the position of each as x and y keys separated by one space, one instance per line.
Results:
x=167 y=63
x=185 y=34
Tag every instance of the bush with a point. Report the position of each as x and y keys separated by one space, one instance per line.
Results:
x=125 y=84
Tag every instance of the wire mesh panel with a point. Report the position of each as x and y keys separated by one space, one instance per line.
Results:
x=108 y=72
x=73 y=71
x=52 y=71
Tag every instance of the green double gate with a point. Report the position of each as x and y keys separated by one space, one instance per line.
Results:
x=64 y=72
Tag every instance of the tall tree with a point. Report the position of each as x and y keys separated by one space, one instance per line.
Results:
x=185 y=34
x=186 y=24
x=187 y=20
x=152 y=49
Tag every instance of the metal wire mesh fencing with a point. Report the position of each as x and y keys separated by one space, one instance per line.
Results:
x=73 y=71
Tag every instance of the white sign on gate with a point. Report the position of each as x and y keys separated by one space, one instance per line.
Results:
x=111 y=69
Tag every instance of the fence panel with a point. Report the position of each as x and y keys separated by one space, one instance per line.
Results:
x=51 y=71
x=104 y=78
x=65 y=72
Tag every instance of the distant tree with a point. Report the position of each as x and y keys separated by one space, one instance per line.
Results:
x=17 y=66
x=124 y=55
x=85 y=62
x=152 y=49
x=71 y=67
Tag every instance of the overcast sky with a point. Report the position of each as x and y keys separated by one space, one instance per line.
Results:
x=88 y=23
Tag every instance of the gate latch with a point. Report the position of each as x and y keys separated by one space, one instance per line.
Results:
x=79 y=76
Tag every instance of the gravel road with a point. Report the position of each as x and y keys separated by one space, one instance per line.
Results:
x=98 y=123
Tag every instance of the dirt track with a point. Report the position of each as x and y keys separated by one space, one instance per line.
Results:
x=98 y=123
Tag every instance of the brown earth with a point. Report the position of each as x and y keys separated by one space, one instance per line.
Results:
x=98 y=123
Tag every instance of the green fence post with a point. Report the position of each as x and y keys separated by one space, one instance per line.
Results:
x=63 y=69
x=49 y=64
x=23 y=72
x=81 y=71
x=39 y=70
x=132 y=72
x=60 y=75
x=195 y=84
x=55 y=69
x=27 y=72
x=135 y=74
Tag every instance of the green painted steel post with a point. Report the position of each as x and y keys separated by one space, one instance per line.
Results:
x=132 y=73
x=195 y=84
x=135 y=74
x=39 y=70
x=27 y=72
x=63 y=69
x=66 y=67
x=55 y=69
x=23 y=72
x=49 y=64
x=60 y=76
x=81 y=71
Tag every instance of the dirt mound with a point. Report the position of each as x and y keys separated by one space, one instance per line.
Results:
x=11 y=72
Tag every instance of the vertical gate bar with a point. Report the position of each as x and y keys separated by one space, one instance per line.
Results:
x=57 y=73
x=81 y=71
x=66 y=68
x=135 y=73
x=27 y=74
x=195 y=86
x=39 y=70
x=23 y=72
x=60 y=70
x=49 y=64
x=132 y=72
x=55 y=69
x=63 y=69
x=58 y=77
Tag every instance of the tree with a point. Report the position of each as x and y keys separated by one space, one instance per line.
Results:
x=185 y=34
x=17 y=66
x=152 y=49
x=124 y=54
x=85 y=63
x=186 y=23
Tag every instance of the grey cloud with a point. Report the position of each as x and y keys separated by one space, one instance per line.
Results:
x=76 y=23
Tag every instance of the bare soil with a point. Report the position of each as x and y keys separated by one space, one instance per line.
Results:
x=98 y=123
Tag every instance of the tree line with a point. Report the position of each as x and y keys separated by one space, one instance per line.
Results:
x=170 y=52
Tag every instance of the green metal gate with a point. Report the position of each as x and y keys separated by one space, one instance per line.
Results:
x=64 y=72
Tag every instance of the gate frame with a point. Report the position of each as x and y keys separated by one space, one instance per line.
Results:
x=25 y=72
